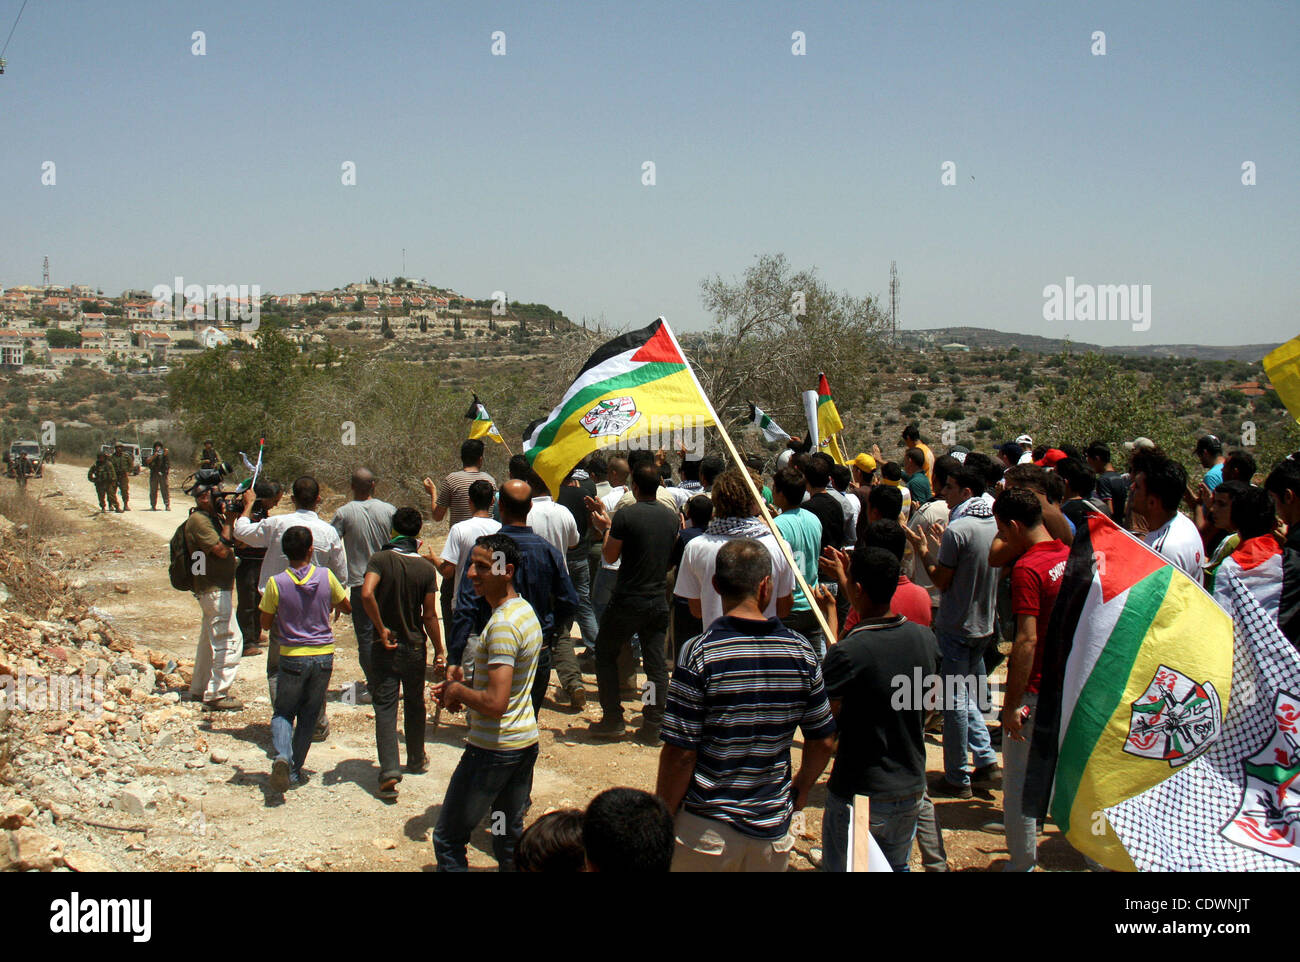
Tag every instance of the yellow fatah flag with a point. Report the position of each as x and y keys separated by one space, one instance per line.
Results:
x=1282 y=365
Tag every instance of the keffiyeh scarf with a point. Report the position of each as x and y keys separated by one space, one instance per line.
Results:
x=737 y=527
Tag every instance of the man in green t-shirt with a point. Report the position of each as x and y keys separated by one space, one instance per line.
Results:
x=803 y=531
x=495 y=774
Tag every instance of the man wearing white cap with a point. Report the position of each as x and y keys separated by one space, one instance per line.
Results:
x=1026 y=449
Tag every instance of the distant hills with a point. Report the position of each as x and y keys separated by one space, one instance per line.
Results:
x=977 y=338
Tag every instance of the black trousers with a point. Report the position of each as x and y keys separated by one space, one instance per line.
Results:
x=398 y=672
x=624 y=617
x=247 y=598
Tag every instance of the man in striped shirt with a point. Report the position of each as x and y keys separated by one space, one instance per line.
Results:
x=496 y=772
x=738 y=693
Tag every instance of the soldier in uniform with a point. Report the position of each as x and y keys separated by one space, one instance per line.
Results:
x=122 y=464
x=209 y=458
x=159 y=464
x=104 y=477
x=23 y=470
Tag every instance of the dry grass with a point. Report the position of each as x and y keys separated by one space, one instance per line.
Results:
x=29 y=562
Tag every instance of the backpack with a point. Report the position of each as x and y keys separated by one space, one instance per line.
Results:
x=179 y=568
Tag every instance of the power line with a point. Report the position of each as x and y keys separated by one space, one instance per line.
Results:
x=13 y=28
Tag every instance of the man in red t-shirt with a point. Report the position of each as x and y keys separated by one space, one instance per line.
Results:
x=1035 y=581
x=910 y=599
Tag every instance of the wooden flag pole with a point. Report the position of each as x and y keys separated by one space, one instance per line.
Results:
x=861 y=854
x=753 y=490
x=771 y=524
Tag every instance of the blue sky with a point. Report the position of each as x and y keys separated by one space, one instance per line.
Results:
x=523 y=172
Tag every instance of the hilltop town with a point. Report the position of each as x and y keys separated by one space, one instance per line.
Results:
x=46 y=329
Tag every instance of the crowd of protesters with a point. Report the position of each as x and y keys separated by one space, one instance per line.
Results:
x=854 y=608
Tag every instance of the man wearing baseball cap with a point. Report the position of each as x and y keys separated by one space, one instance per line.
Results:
x=216 y=659
x=1140 y=444
x=1051 y=458
x=1026 y=449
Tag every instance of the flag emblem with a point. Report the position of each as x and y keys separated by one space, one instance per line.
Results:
x=611 y=417
x=1174 y=720
x=1268 y=816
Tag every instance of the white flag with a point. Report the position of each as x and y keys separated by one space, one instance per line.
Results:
x=771 y=430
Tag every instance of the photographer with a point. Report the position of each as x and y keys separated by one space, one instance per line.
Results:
x=208 y=540
x=248 y=571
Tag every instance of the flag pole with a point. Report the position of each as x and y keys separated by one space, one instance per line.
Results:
x=755 y=493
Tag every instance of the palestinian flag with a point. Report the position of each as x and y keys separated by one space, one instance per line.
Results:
x=1236 y=808
x=1136 y=674
x=771 y=430
x=481 y=425
x=636 y=385
x=1257 y=564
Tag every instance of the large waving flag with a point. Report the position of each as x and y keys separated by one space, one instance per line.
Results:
x=1136 y=676
x=633 y=385
x=1236 y=808
x=771 y=430
x=1282 y=365
x=481 y=425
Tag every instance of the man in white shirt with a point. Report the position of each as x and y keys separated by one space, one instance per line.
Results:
x=1158 y=486
x=554 y=522
x=327 y=552
x=463 y=534
x=734 y=516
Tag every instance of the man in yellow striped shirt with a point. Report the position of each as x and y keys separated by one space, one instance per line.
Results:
x=495 y=774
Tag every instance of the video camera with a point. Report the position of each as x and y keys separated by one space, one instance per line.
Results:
x=224 y=502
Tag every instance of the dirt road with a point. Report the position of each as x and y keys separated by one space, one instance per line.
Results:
x=336 y=821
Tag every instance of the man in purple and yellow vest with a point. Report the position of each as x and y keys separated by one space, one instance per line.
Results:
x=298 y=602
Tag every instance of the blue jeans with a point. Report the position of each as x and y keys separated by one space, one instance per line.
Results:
x=601 y=590
x=365 y=629
x=963 y=722
x=893 y=826
x=299 y=699
x=580 y=575
x=485 y=783
x=1022 y=832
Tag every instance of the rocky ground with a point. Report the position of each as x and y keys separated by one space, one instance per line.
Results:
x=139 y=778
